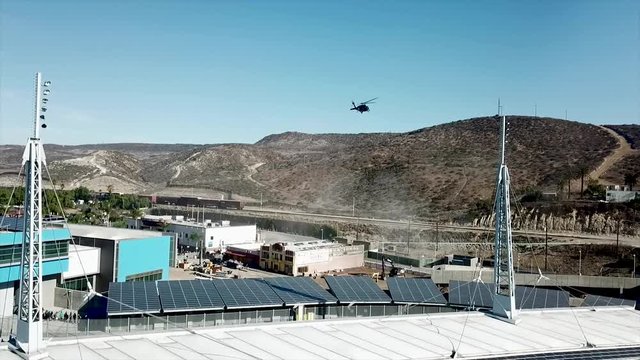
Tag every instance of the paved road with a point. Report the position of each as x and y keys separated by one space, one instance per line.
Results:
x=575 y=238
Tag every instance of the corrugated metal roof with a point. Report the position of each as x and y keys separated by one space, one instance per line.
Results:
x=472 y=335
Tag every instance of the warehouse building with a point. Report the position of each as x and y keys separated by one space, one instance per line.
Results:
x=310 y=257
x=125 y=254
x=215 y=235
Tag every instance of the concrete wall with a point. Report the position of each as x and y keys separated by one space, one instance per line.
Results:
x=82 y=261
x=143 y=255
x=48 y=291
x=333 y=263
x=7 y=294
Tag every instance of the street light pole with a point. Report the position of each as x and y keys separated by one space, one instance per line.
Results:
x=408 y=236
x=634 y=267
x=322 y=233
x=546 y=247
x=580 y=263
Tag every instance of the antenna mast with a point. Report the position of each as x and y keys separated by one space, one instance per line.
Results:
x=504 y=301
x=28 y=342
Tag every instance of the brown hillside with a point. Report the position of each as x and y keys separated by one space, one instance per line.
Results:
x=445 y=167
x=631 y=133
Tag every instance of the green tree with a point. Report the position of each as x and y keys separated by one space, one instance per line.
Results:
x=582 y=171
x=81 y=193
x=631 y=180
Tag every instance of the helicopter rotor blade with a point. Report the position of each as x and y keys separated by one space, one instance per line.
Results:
x=369 y=101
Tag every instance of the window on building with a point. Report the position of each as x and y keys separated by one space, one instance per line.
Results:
x=77 y=284
x=265 y=255
x=146 y=276
x=288 y=258
x=50 y=249
x=303 y=269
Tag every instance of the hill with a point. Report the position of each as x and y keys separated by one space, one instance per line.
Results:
x=447 y=167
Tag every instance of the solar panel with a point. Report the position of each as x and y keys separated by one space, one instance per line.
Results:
x=12 y=223
x=586 y=354
x=462 y=293
x=414 y=291
x=595 y=300
x=133 y=297
x=356 y=289
x=538 y=298
x=300 y=290
x=474 y=294
x=181 y=295
x=246 y=293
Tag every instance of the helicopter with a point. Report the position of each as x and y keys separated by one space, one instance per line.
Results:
x=362 y=107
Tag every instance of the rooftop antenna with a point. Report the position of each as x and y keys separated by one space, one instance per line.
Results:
x=504 y=301
x=499 y=108
x=28 y=341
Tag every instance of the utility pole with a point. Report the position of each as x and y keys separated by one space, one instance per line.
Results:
x=618 y=240
x=546 y=245
x=633 y=273
x=437 y=235
x=353 y=207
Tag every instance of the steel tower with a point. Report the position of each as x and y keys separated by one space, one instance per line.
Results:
x=504 y=300
x=28 y=341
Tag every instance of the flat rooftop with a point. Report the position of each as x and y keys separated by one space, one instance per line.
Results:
x=473 y=335
x=110 y=233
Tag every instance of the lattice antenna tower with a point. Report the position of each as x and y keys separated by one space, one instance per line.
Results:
x=28 y=341
x=504 y=303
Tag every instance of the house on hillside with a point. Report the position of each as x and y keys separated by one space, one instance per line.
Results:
x=621 y=193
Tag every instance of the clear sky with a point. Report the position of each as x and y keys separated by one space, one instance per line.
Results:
x=235 y=71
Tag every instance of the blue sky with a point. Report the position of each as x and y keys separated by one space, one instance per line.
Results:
x=235 y=71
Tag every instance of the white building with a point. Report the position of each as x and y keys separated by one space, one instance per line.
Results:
x=308 y=257
x=216 y=235
x=621 y=193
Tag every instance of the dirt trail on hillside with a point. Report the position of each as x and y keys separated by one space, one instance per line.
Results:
x=624 y=149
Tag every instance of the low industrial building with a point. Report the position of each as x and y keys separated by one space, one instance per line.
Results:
x=216 y=235
x=310 y=257
x=125 y=254
x=621 y=193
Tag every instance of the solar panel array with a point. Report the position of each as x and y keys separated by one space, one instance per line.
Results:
x=356 y=289
x=242 y=293
x=538 y=298
x=595 y=300
x=134 y=297
x=476 y=294
x=181 y=295
x=415 y=291
x=300 y=290
x=590 y=354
